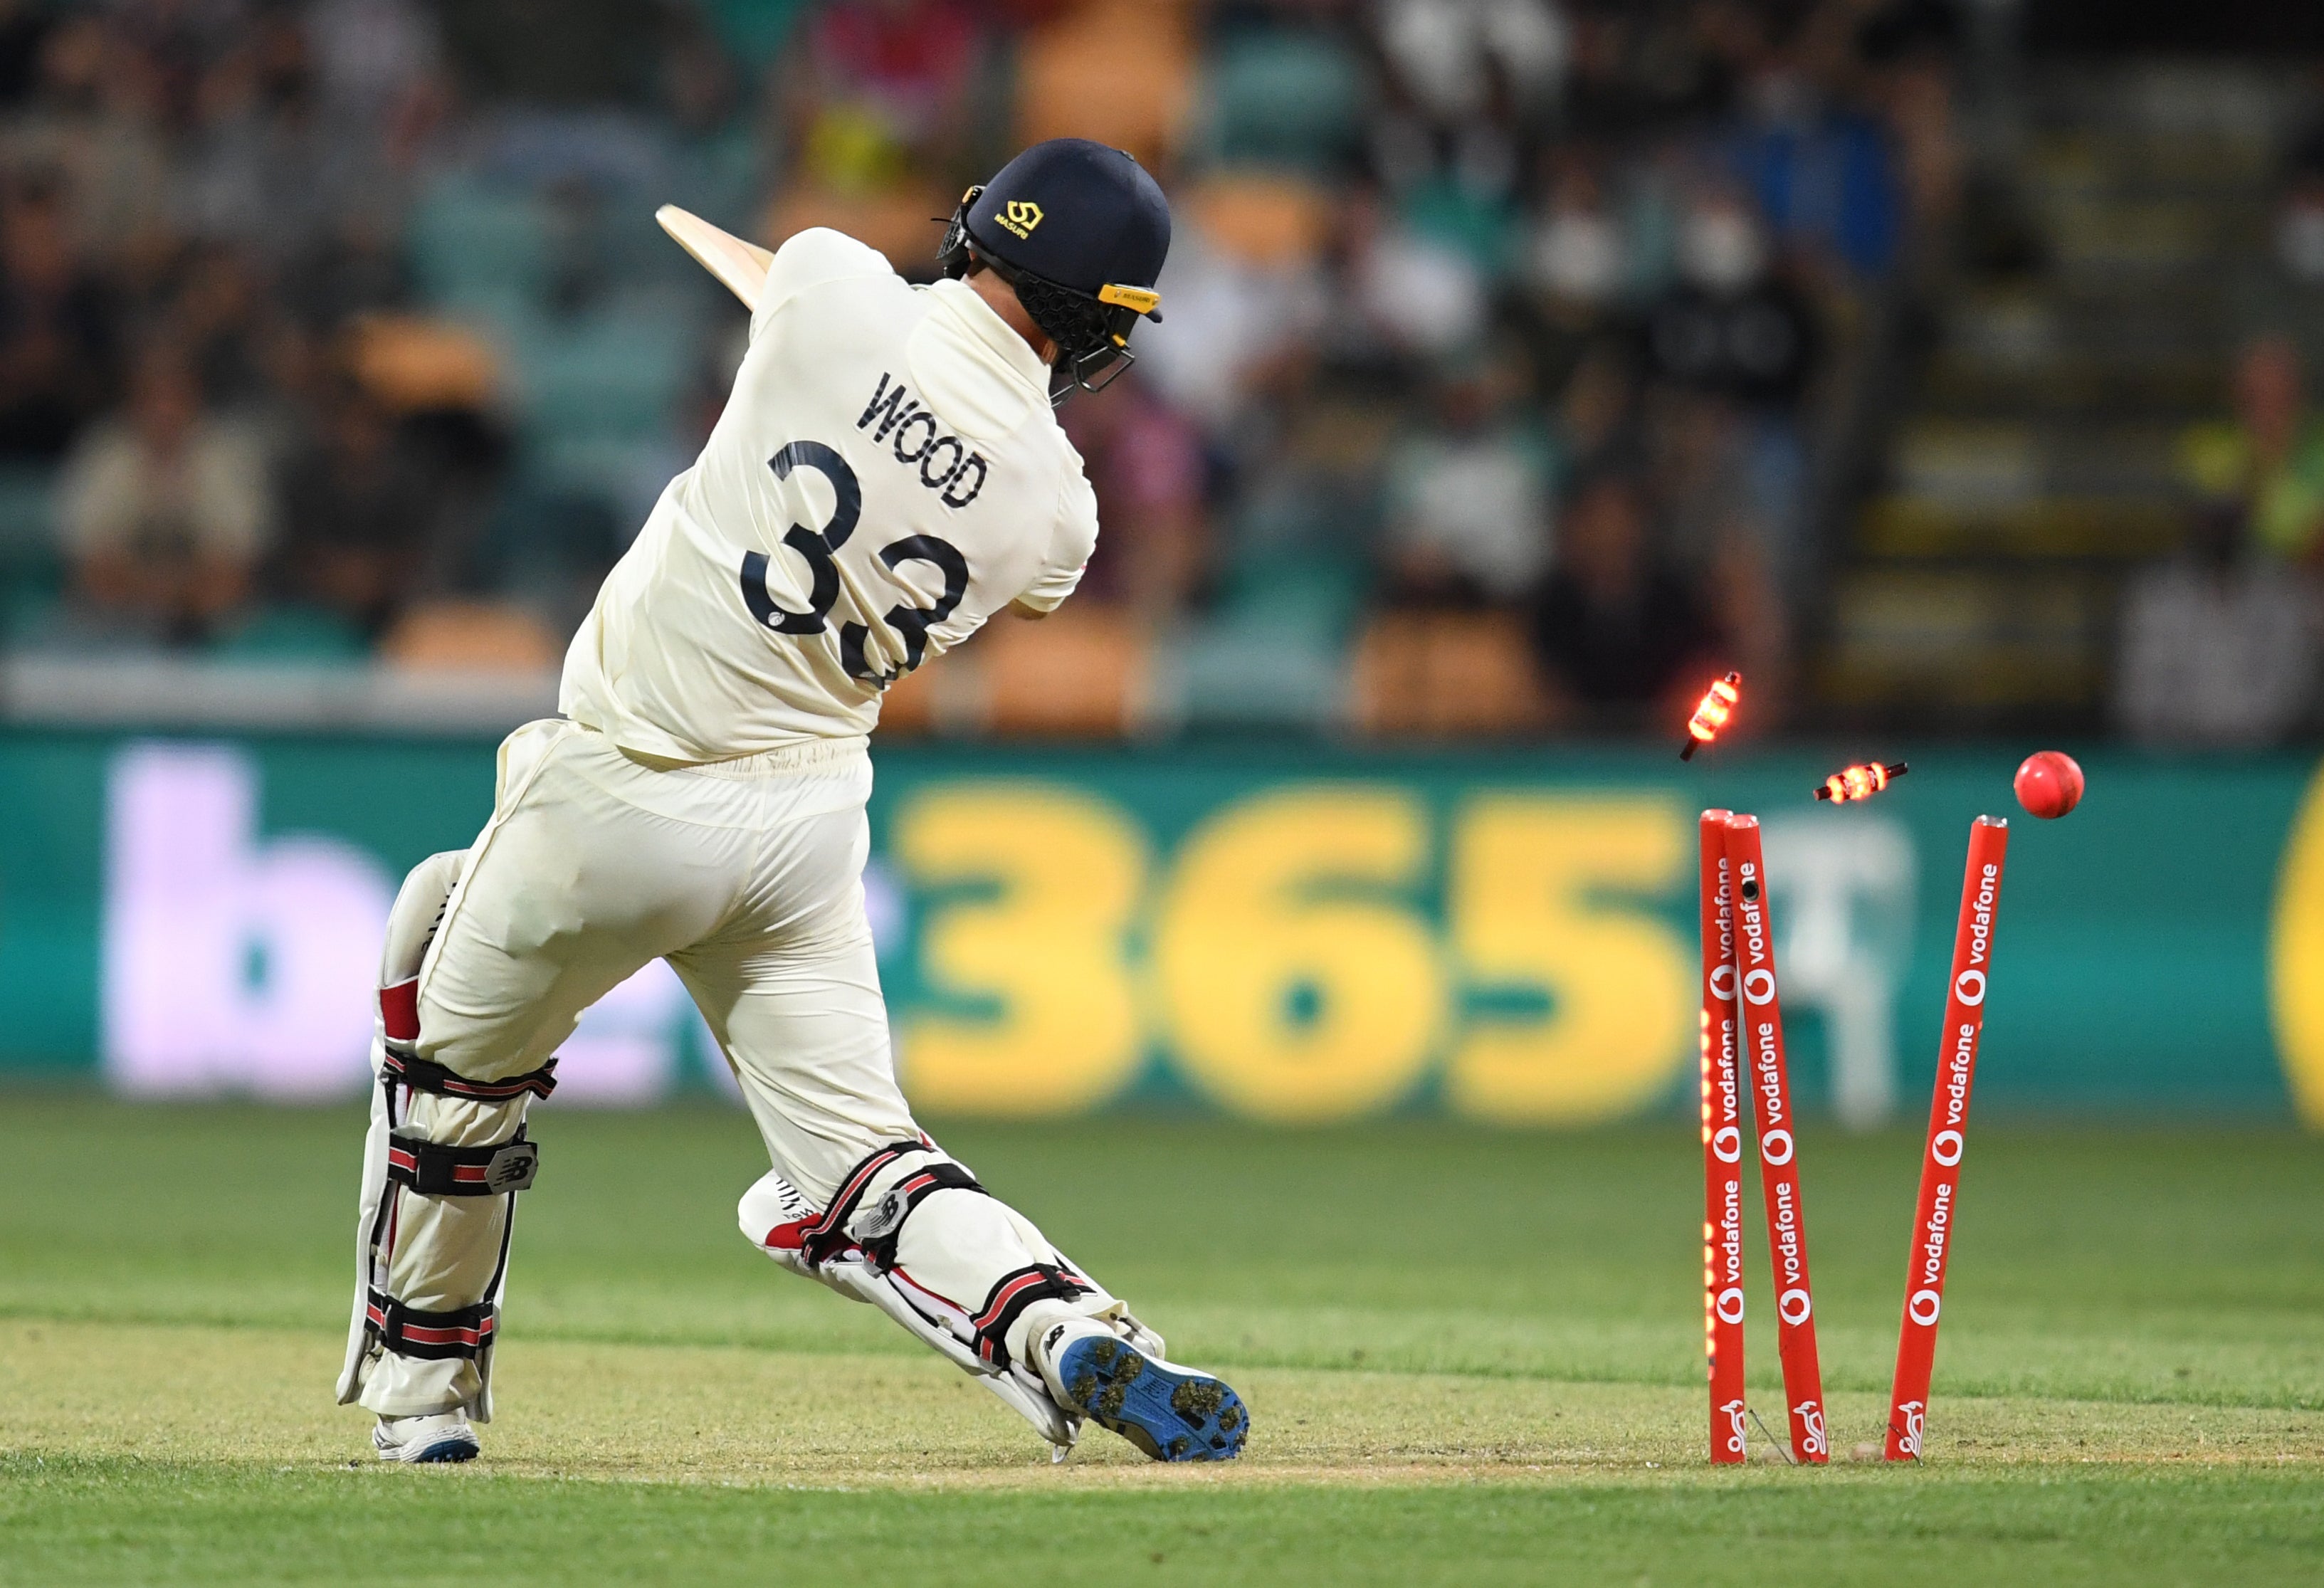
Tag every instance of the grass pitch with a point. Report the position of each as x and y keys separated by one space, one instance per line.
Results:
x=1471 y=1357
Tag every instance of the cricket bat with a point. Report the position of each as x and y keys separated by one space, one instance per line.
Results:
x=740 y=266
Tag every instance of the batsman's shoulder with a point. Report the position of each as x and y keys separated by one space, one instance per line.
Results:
x=817 y=256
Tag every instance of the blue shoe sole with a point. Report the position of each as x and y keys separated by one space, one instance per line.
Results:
x=445 y=1450
x=1170 y=1413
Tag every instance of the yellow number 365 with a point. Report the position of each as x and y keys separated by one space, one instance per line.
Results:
x=1286 y=962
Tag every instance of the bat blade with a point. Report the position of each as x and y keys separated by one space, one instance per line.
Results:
x=739 y=266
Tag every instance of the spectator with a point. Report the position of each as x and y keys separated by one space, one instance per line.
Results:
x=1732 y=349
x=1614 y=628
x=269 y=171
x=1729 y=325
x=2281 y=291
x=2269 y=458
x=1579 y=259
x=163 y=511
x=1243 y=311
x=1144 y=463
x=56 y=330
x=93 y=126
x=1450 y=52
x=1722 y=503
x=1907 y=47
x=225 y=318
x=2218 y=650
x=878 y=105
x=357 y=516
x=374 y=58
x=2299 y=215
x=1468 y=495
x=1823 y=174
x=1420 y=297
x=891 y=87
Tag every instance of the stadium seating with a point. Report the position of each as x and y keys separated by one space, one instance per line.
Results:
x=470 y=636
x=1445 y=675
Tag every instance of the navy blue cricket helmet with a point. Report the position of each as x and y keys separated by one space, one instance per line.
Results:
x=1080 y=231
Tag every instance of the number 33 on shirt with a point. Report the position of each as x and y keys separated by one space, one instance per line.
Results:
x=887 y=476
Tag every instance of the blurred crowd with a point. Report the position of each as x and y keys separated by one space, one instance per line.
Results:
x=313 y=338
x=1512 y=374
x=1496 y=386
x=2222 y=646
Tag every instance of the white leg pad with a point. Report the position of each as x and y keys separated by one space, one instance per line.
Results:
x=445 y=1253
x=955 y=1254
x=430 y=1253
x=412 y=924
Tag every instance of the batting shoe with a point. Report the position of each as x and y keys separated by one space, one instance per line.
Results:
x=1169 y=1412
x=442 y=1436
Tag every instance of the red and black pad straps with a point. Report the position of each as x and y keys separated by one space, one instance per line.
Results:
x=422 y=1076
x=398 y=1018
x=1008 y=1300
x=432 y=1336
x=434 y=1169
x=880 y=1236
x=826 y=1236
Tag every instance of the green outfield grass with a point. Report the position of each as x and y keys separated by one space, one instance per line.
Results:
x=1471 y=1357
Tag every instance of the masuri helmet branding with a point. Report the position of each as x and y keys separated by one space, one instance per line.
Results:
x=1017 y=217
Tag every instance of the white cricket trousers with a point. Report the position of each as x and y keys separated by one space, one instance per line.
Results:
x=747 y=876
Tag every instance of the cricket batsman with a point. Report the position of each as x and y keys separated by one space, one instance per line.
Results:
x=887 y=474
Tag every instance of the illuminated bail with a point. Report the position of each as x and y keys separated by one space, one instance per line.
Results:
x=1718 y=705
x=1859 y=782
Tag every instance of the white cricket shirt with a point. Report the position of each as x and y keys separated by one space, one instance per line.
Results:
x=886 y=474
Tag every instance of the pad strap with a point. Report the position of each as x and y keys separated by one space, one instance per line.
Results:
x=1008 y=1299
x=878 y=1237
x=432 y=1336
x=424 y=1075
x=434 y=1169
x=826 y=1236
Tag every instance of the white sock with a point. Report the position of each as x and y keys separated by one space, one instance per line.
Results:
x=1048 y=1339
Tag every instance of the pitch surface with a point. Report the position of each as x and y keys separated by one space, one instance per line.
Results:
x=1471 y=1357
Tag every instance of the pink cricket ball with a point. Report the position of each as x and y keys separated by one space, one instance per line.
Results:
x=2049 y=784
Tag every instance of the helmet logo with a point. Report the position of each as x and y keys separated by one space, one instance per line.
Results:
x=1018 y=216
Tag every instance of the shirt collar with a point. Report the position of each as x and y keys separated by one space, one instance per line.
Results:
x=984 y=323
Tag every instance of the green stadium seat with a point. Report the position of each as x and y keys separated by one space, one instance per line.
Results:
x=616 y=373
x=295 y=634
x=1261 y=665
x=31 y=571
x=1286 y=98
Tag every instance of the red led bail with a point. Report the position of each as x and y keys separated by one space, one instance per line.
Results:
x=1859 y=782
x=1718 y=705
